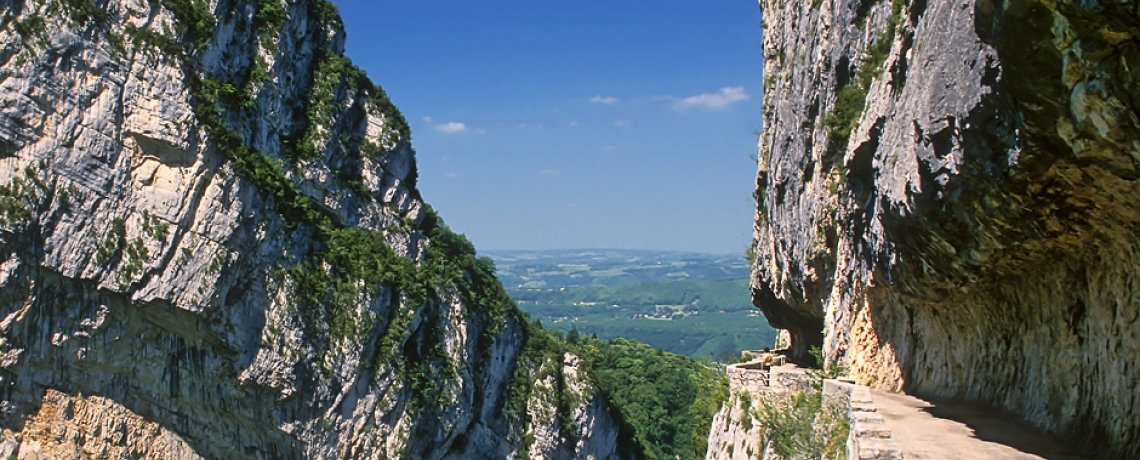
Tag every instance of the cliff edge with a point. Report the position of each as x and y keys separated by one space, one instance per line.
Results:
x=212 y=246
x=946 y=201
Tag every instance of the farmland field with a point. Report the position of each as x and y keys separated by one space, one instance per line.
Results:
x=693 y=304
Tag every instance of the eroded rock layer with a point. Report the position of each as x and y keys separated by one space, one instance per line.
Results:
x=211 y=246
x=948 y=191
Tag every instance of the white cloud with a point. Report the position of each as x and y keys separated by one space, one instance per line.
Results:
x=713 y=101
x=451 y=127
x=428 y=120
x=621 y=123
x=607 y=100
x=452 y=175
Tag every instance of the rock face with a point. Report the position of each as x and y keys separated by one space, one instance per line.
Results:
x=211 y=246
x=737 y=431
x=734 y=438
x=946 y=201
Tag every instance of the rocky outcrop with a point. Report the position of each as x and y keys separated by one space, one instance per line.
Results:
x=212 y=246
x=946 y=201
x=739 y=430
x=735 y=435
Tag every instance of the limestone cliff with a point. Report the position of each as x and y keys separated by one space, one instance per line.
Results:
x=946 y=201
x=212 y=246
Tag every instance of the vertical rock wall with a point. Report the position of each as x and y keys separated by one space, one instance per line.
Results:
x=211 y=246
x=946 y=201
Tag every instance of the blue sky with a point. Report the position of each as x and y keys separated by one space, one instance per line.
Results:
x=545 y=124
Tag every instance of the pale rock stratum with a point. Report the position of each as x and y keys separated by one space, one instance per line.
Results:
x=947 y=201
x=212 y=246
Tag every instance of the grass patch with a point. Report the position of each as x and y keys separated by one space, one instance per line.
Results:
x=21 y=196
x=31 y=25
x=802 y=427
x=268 y=21
x=852 y=98
x=80 y=12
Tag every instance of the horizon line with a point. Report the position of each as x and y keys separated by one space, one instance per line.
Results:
x=686 y=251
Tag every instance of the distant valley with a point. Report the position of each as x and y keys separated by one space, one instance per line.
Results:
x=687 y=303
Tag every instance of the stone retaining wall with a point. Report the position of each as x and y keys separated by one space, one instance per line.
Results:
x=790 y=378
x=754 y=377
x=870 y=439
x=751 y=376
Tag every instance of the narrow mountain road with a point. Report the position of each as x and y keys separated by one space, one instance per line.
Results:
x=950 y=430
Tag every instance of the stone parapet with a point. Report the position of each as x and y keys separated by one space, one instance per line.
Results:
x=870 y=438
x=750 y=376
x=790 y=378
x=755 y=377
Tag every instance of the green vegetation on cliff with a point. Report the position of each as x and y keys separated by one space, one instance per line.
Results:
x=331 y=277
x=801 y=426
x=667 y=400
x=852 y=98
x=664 y=402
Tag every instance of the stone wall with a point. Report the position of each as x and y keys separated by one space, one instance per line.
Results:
x=735 y=434
x=755 y=377
x=747 y=376
x=869 y=437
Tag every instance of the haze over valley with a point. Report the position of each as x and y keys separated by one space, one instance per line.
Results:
x=692 y=304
